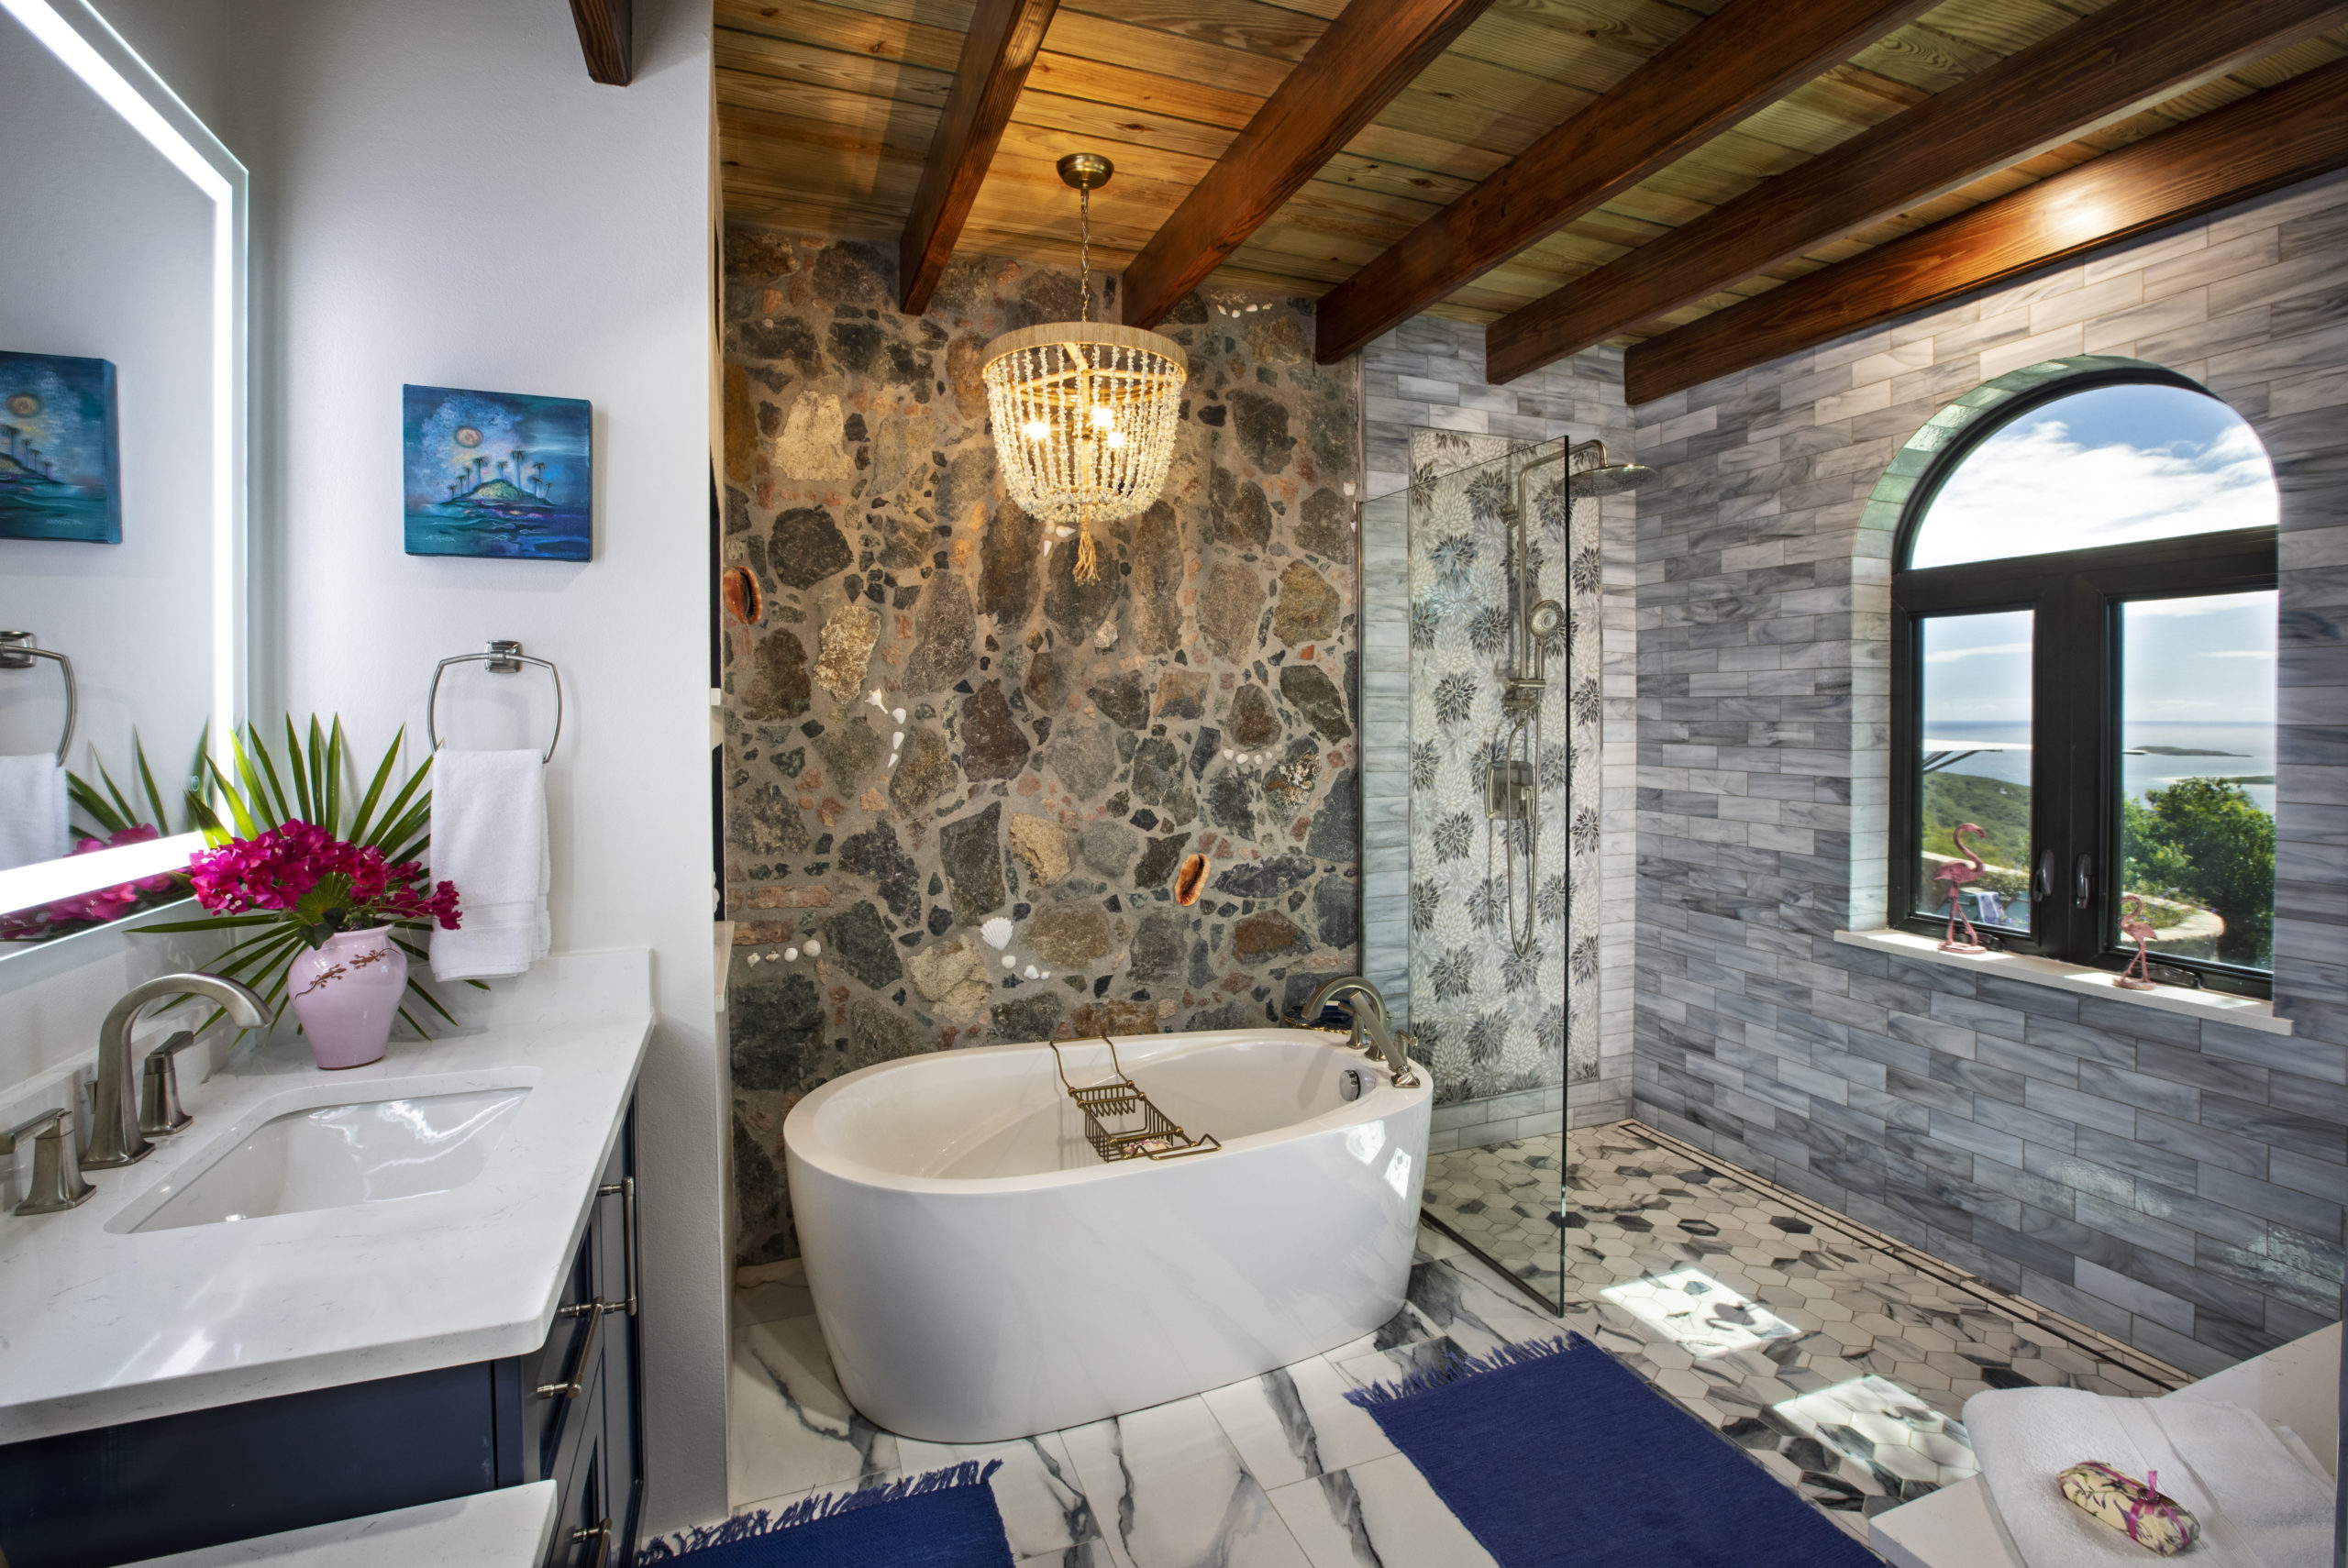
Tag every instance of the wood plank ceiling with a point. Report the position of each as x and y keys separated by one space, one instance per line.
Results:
x=828 y=110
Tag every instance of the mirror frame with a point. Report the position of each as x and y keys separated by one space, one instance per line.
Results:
x=86 y=44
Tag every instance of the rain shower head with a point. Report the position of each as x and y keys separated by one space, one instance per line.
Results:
x=1609 y=478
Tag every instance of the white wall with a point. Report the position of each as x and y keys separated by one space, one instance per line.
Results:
x=185 y=42
x=443 y=197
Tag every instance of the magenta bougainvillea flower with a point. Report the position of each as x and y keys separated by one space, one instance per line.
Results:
x=277 y=868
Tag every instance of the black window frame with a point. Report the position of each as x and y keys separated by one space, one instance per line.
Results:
x=2075 y=597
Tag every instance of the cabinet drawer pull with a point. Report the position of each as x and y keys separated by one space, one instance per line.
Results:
x=625 y=1190
x=601 y=1535
x=593 y=1312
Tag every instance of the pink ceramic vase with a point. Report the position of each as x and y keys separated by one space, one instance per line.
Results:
x=347 y=993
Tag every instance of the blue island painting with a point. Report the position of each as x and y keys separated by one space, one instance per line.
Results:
x=497 y=474
x=60 y=465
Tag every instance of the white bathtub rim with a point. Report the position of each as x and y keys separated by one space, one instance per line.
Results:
x=803 y=1142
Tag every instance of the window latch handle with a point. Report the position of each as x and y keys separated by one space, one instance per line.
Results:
x=2045 y=884
x=2083 y=882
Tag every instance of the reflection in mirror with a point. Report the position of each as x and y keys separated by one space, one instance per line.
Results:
x=121 y=384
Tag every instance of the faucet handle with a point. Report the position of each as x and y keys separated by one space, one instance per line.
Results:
x=160 y=1113
x=57 y=1181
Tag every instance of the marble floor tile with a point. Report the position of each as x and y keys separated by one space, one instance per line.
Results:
x=1043 y=1504
x=1477 y=1318
x=1406 y=1327
x=1294 y=1423
x=1503 y=1199
x=1382 y=1514
x=1700 y=1311
x=1171 y=1492
x=1090 y=1554
x=791 y=1429
x=781 y=1291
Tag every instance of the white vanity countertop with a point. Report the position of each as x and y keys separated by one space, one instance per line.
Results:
x=509 y=1528
x=99 y=1325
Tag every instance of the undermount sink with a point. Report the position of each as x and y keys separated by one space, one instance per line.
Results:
x=332 y=1157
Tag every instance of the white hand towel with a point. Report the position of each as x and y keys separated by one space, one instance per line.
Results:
x=2257 y=1508
x=33 y=826
x=2282 y=1507
x=489 y=837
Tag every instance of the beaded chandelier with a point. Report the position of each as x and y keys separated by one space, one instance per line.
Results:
x=1084 y=412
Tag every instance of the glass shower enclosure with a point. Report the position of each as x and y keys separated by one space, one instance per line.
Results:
x=1482 y=710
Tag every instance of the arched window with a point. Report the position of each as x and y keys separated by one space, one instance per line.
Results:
x=2083 y=670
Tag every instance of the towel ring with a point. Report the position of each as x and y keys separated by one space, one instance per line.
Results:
x=504 y=657
x=18 y=651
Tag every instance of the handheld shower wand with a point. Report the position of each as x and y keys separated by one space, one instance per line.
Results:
x=1512 y=778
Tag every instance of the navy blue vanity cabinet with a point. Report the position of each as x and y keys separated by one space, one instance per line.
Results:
x=579 y=1414
x=569 y=1412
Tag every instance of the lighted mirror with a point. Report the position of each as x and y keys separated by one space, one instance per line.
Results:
x=122 y=383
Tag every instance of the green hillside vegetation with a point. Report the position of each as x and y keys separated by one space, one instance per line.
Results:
x=2205 y=842
x=2001 y=810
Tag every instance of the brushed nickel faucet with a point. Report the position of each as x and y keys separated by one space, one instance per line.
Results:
x=115 y=1137
x=1357 y=992
x=57 y=1183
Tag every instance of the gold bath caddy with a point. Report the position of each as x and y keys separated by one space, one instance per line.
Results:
x=1120 y=1123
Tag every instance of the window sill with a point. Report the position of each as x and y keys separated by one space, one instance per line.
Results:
x=2248 y=1013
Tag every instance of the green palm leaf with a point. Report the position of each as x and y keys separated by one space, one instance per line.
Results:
x=358 y=824
x=333 y=806
x=298 y=763
x=147 y=782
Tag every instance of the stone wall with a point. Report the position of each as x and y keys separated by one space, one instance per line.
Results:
x=958 y=783
x=2176 y=1182
x=1428 y=374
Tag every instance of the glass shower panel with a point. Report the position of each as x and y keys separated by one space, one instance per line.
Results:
x=1501 y=580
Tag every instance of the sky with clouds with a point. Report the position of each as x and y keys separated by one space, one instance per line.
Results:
x=2103 y=467
x=2209 y=660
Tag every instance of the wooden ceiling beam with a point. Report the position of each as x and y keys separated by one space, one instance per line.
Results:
x=1003 y=39
x=2261 y=143
x=1366 y=56
x=606 y=37
x=1748 y=54
x=2101 y=68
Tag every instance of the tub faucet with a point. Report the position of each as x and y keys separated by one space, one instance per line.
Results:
x=1355 y=991
x=116 y=1138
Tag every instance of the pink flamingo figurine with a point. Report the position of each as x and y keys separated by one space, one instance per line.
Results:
x=1956 y=877
x=2135 y=978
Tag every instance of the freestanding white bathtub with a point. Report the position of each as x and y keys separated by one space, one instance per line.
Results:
x=981 y=1274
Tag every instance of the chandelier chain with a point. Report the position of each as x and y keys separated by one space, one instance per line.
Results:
x=1084 y=250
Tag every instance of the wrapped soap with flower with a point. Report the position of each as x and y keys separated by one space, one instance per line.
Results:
x=325 y=895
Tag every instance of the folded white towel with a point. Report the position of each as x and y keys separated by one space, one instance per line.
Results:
x=2258 y=1507
x=2281 y=1505
x=489 y=837
x=33 y=826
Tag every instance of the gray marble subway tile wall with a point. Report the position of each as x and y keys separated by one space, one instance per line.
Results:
x=2177 y=1183
x=1429 y=374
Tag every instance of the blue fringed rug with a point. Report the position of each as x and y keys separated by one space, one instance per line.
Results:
x=947 y=1519
x=1555 y=1453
